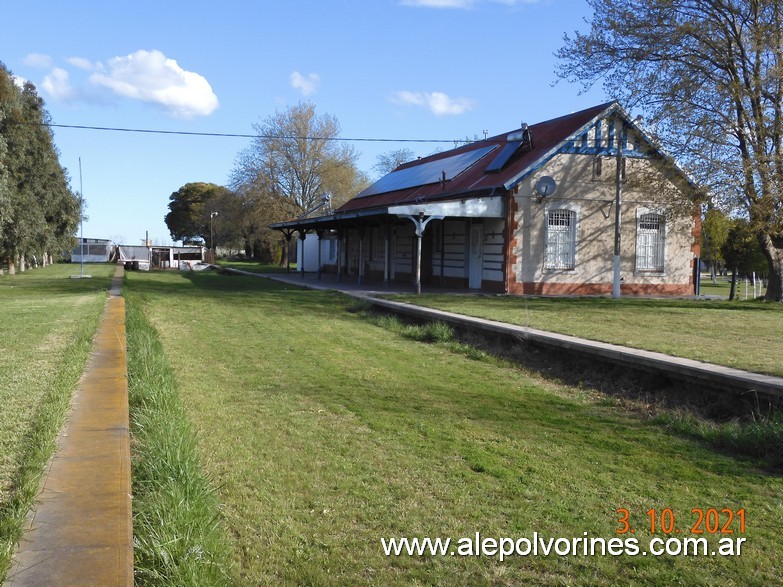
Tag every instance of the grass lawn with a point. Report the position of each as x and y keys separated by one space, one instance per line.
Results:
x=47 y=322
x=324 y=433
x=745 y=335
x=177 y=539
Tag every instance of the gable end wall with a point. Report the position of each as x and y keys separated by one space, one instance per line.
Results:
x=593 y=200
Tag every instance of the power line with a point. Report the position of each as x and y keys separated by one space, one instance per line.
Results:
x=232 y=135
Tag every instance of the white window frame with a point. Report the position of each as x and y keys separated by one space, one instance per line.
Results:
x=650 y=258
x=561 y=237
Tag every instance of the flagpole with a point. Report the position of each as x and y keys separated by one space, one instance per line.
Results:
x=81 y=218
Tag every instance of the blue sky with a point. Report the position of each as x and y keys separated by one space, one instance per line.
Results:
x=393 y=69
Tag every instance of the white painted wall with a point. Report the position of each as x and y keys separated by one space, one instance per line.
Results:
x=328 y=251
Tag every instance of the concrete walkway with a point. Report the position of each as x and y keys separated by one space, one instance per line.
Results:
x=79 y=531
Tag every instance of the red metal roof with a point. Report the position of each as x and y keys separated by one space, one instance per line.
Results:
x=546 y=136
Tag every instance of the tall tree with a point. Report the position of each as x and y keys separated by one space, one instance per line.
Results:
x=38 y=210
x=709 y=75
x=294 y=160
x=58 y=206
x=8 y=96
x=191 y=209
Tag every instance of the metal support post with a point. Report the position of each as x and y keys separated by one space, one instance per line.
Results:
x=618 y=176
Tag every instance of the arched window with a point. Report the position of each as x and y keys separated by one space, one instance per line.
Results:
x=560 y=239
x=650 y=241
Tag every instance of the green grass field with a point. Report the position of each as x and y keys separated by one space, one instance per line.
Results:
x=324 y=432
x=177 y=537
x=47 y=322
x=745 y=335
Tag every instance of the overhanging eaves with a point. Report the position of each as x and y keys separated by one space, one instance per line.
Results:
x=325 y=222
x=486 y=207
x=481 y=207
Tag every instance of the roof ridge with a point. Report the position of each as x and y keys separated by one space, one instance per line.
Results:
x=598 y=108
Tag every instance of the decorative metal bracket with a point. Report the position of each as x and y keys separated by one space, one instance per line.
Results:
x=419 y=222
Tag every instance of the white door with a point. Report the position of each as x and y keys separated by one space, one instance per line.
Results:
x=476 y=260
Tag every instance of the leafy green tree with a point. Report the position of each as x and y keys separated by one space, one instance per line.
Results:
x=21 y=210
x=7 y=98
x=714 y=231
x=741 y=249
x=258 y=209
x=190 y=212
x=227 y=224
x=58 y=205
x=38 y=210
x=707 y=74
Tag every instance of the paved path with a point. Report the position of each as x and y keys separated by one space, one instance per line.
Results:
x=80 y=530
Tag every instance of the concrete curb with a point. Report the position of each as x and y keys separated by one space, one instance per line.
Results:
x=80 y=530
x=718 y=377
x=715 y=376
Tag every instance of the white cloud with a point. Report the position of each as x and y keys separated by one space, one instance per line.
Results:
x=438 y=103
x=58 y=84
x=81 y=63
x=441 y=104
x=409 y=98
x=19 y=82
x=37 y=60
x=149 y=76
x=305 y=84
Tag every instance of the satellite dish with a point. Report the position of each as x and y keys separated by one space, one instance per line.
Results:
x=545 y=186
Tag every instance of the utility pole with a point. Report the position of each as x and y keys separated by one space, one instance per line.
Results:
x=618 y=192
x=81 y=219
x=212 y=236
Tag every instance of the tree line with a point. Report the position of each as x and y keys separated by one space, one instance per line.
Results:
x=38 y=211
x=292 y=164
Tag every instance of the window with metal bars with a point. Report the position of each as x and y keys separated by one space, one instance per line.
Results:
x=650 y=241
x=561 y=239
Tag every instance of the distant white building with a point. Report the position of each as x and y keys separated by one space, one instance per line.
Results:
x=171 y=257
x=135 y=256
x=92 y=250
